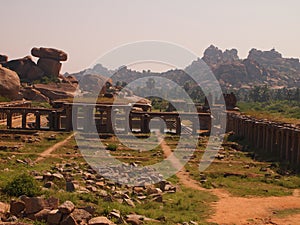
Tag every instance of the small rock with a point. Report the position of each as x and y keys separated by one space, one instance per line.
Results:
x=16 y=207
x=67 y=207
x=101 y=220
x=54 y=217
x=42 y=215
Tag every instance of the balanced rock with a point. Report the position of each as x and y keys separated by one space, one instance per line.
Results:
x=9 y=83
x=49 y=53
x=51 y=67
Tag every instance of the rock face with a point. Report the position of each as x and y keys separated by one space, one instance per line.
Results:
x=9 y=83
x=49 y=60
x=3 y=58
x=56 y=91
x=95 y=83
x=101 y=220
x=25 y=68
x=49 y=53
x=49 y=66
x=31 y=94
x=213 y=55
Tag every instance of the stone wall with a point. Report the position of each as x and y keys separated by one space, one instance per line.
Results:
x=279 y=140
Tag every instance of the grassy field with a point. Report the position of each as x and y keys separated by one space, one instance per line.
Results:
x=279 y=111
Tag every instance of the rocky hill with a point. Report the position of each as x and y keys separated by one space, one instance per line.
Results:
x=259 y=68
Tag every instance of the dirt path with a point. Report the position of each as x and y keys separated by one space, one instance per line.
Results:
x=48 y=151
x=240 y=210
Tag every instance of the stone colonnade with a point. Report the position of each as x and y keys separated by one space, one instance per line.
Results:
x=279 y=140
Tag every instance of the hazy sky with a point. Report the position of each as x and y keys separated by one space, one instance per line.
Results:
x=88 y=29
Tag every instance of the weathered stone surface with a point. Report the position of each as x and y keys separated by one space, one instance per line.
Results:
x=54 y=217
x=49 y=53
x=50 y=67
x=56 y=91
x=52 y=203
x=4 y=208
x=67 y=207
x=33 y=95
x=133 y=219
x=25 y=68
x=9 y=83
x=70 y=187
x=69 y=220
x=3 y=58
x=81 y=216
x=16 y=207
x=101 y=220
x=33 y=204
x=95 y=83
x=42 y=215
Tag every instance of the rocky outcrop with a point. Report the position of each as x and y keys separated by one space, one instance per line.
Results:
x=3 y=58
x=32 y=94
x=9 y=83
x=50 y=67
x=49 y=60
x=213 y=55
x=95 y=83
x=56 y=91
x=49 y=53
x=25 y=68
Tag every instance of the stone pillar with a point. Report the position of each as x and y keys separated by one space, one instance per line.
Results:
x=145 y=124
x=69 y=120
x=127 y=122
x=88 y=116
x=9 y=119
x=109 y=124
x=24 y=119
x=178 y=125
x=37 y=120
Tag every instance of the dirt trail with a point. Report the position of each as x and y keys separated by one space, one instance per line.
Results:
x=48 y=151
x=240 y=210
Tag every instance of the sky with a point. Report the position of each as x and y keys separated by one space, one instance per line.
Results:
x=88 y=29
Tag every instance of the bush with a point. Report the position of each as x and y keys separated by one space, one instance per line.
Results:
x=112 y=147
x=22 y=185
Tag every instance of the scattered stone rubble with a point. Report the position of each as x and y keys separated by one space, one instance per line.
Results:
x=54 y=213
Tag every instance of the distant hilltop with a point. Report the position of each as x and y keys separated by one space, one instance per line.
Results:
x=259 y=68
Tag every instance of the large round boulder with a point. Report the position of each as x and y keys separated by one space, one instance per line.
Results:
x=49 y=53
x=9 y=83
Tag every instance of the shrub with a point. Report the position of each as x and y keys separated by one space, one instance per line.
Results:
x=23 y=184
x=112 y=147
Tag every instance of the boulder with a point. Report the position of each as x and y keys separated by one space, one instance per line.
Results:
x=4 y=208
x=54 y=217
x=49 y=53
x=32 y=94
x=67 y=207
x=9 y=83
x=25 y=68
x=101 y=220
x=16 y=207
x=42 y=215
x=81 y=216
x=50 y=67
x=3 y=58
x=56 y=91
x=69 y=220
x=33 y=204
